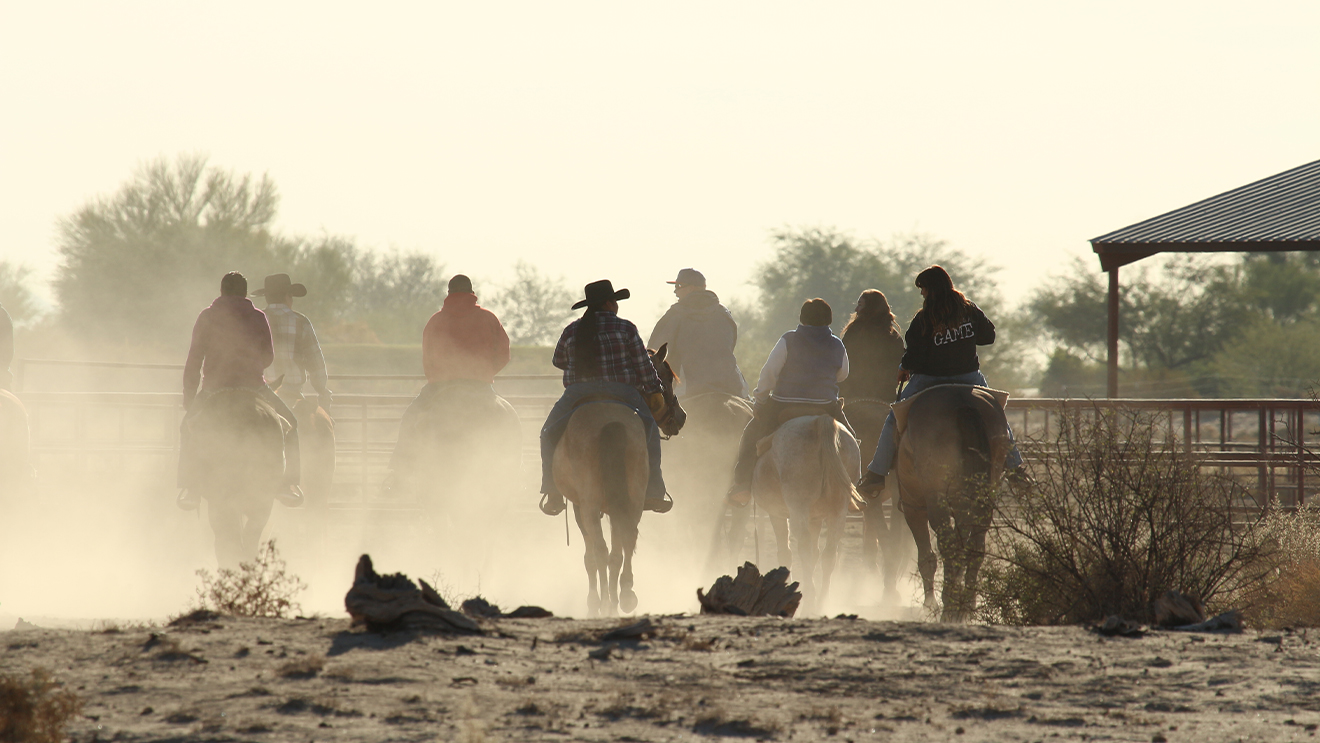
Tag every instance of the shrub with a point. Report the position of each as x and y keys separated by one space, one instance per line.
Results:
x=1290 y=596
x=260 y=588
x=35 y=708
x=1119 y=516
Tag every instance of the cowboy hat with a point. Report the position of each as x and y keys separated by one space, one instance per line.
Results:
x=600 y=292
x=279 y=285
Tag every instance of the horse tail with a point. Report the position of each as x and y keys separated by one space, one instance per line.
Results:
x=834 y=476
x=974 y=443
x=624 y=514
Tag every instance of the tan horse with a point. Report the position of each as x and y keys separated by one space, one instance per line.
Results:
x=804 y=481
x=950 y=459
x=601 y=466
x=15 y=450
x=238 y=442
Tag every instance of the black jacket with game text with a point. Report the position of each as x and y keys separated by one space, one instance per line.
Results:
x=949 y=352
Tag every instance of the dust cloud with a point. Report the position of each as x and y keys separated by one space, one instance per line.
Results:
x=98 y=537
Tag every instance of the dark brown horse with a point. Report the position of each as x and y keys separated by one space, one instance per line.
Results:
x=950 y=461
x=887 y=545
x=601 y=467
x=458 y=453
x=238 y=442
x=698 y=463
x=316 y=440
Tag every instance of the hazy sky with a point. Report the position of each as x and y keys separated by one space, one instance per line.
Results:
x=627 y=140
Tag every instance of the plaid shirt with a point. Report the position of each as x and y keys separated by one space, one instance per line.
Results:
x=296 y=350
x=623 y=356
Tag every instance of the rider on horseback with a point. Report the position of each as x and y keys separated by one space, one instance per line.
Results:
x=801 y=377
x=463 y=342
x=701 y=335
x=602 y=355
x=875 y=347
x=298 y=355
x=231 y=346
x=941 y=349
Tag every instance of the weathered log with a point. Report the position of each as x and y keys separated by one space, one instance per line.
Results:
x=751 y=594
x=393 y=602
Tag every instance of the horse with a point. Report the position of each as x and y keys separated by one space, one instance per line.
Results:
x=238 y=444
x=15 y=449
x=887 y=544
x=950 y=459
x=601 y=466
x=804 y=481
x=316 y=440
x=463 y=438
x=699 y=460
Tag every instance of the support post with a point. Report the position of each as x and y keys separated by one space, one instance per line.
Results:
x=1113 y=333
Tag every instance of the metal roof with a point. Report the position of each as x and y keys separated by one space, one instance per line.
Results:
x=1281 y=212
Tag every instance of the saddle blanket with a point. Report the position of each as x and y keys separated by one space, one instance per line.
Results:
x=901 y=408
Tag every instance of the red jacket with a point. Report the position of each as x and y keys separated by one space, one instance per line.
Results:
x=231 y=347
x=464 y=341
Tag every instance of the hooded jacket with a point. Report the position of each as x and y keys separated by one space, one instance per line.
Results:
x=701 y=335
x=231 y=347
x=464 y=341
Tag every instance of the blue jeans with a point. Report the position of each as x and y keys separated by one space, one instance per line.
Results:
x=557 y=422
x=887 y=447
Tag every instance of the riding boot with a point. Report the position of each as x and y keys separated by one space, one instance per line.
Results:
x=745 y=467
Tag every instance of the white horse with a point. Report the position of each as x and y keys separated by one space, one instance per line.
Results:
x=804 y=481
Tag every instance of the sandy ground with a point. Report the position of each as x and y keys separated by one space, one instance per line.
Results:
x=698 y=678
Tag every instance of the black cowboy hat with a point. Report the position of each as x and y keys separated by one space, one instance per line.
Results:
x=600 y=292
x=279 y=285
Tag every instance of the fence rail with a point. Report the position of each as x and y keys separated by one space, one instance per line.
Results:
x=112 y=435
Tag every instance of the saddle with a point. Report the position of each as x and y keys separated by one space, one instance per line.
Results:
x=901 y=408
x=788 y=413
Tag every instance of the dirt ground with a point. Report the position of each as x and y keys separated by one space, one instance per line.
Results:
x=698 y=677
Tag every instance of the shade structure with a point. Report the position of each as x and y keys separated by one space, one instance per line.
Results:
x=1278 y=213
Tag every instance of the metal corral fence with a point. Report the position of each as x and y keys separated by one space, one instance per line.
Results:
x=132 y=437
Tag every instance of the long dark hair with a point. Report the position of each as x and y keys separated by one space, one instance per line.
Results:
x=945 y=307
x=586 y=349
x=874 y=310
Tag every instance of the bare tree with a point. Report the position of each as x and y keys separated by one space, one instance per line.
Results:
x=533 y=307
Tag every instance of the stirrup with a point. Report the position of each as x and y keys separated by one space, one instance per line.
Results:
x=660 y=505
x=292 y=497
x=187 y=500
x=554 y=508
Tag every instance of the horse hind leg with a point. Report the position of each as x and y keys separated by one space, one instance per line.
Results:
x=621 y=575
x=255 y=519
x=926 y=559
x=227 y=526
x=830 y=557
x=802 y=537
x=593 y=558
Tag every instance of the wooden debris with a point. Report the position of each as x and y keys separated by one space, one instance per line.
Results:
x=1174 y=609
x=393 y=602
x=751 y=594
x=480 y=607
x=639 y=630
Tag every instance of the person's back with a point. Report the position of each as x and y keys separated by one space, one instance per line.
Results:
x=463 y=340
x=702 y=335
x=298 y=357
x=875 y=349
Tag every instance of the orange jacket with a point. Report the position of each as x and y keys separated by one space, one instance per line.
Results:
x=463 y=341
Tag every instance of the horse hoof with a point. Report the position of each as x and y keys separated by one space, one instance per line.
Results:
x=628 y=602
